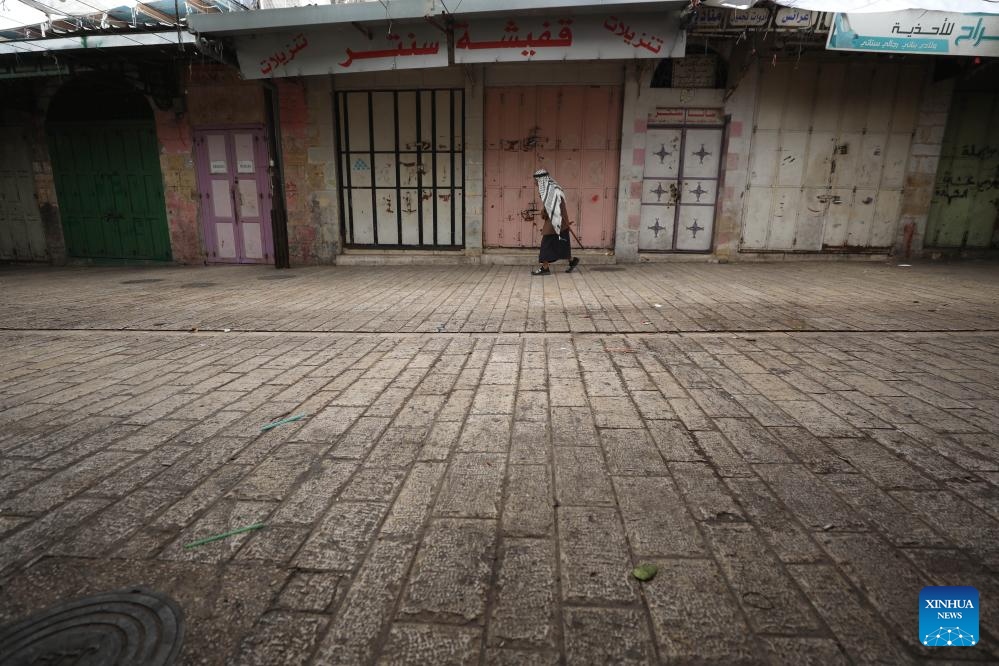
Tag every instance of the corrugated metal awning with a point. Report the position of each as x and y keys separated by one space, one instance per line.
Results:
x=263 y=20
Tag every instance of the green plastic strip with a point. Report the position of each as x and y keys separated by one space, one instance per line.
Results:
x=217 y=537
x=275 y=424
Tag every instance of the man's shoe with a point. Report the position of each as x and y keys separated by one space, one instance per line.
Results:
x=572 y=264
x=541 y=270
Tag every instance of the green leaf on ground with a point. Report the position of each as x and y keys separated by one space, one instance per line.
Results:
x=645 y=572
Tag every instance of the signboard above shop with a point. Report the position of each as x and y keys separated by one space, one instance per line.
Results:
x=717 y=19
x=917 y=31
x=588 y=37
x=340 y=48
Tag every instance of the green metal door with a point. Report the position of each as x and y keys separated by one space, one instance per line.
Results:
x=110 y=190
x=965 y=208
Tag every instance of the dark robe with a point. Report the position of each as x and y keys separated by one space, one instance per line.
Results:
x=555 y=247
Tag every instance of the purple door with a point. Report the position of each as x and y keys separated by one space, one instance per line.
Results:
x=235 y=195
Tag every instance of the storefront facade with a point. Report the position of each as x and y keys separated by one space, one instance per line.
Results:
x=759 y=143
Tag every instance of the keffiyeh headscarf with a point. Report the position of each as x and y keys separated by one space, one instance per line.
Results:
x=551 y=197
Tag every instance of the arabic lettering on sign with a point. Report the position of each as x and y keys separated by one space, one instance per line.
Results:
x=400 y=49
x=788 y=17
x=563 y=38
x=653 y=43
x=917 y=32
x=709 y=17
x=512 y=38
x=284 y=56
x=749 y=18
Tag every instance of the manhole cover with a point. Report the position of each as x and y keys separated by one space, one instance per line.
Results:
x=277 y=277
x=606 y=269
x=198 y=285
x=128 y=627
x=143 y=281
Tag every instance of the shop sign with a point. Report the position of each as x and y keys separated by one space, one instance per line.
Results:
x=917 y=31
x=340 y=49
x=586 y=37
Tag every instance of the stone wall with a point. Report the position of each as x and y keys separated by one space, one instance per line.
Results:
x=921 y=170
x=306 y=122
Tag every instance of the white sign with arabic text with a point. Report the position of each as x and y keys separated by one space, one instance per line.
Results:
x=588 y=37
x=340 y=49
x=916 y=31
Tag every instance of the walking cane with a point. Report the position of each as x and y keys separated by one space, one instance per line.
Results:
x=577 y=238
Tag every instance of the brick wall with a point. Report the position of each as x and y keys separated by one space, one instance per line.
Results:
x=307 y=142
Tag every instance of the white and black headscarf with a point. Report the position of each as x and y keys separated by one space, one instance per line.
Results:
x=551 y=197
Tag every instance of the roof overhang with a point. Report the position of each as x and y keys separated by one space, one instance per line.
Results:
x=263 y=20
x=135 y=39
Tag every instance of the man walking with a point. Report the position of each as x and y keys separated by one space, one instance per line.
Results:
x=555 y=231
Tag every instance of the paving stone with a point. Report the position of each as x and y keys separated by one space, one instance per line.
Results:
x=494 y=400
x=530 y=443
x=581 y=477
x=631 y=451
x=812 y=502
x=956 y=519
x=811 y=451
x=114 y=523
x=342 y=537
x=485 y=433
x=817 y=419
x=367 y=607
x=753 y=441
x=513 y=657
x=328 y=424
x=656 y=519
x=873 y=460
x=315 y=493
x=674 y=442
x=594 y=557
x=274 y=478
x=573 y=426
x=431 y=644
x=524 y=612
x=888 y=579
x=805 y=651
x=933 y=454
x=788 y=539
x=690 y=414
x=705 y=494
x=858 y=630
x=725 y=459
x=652 y=405
x=375 y=484
x=35 y=536
x=200 y=497
x=532 y=406
x=223 y=516
x=694 y=615
x=607 y=636
x=451 y=573
x=615 y=413
x=768 y=597
x=472 y=486
x=529 y=501
x=413 y=504
x=457 y=406
x=765 y=411
x=883 y=513
x=313 y=592
x=398 y=447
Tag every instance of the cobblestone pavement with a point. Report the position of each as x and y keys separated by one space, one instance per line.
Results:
x=825 y=296
x=481 y=498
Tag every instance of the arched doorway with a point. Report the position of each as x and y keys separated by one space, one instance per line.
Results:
x=105 y=161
